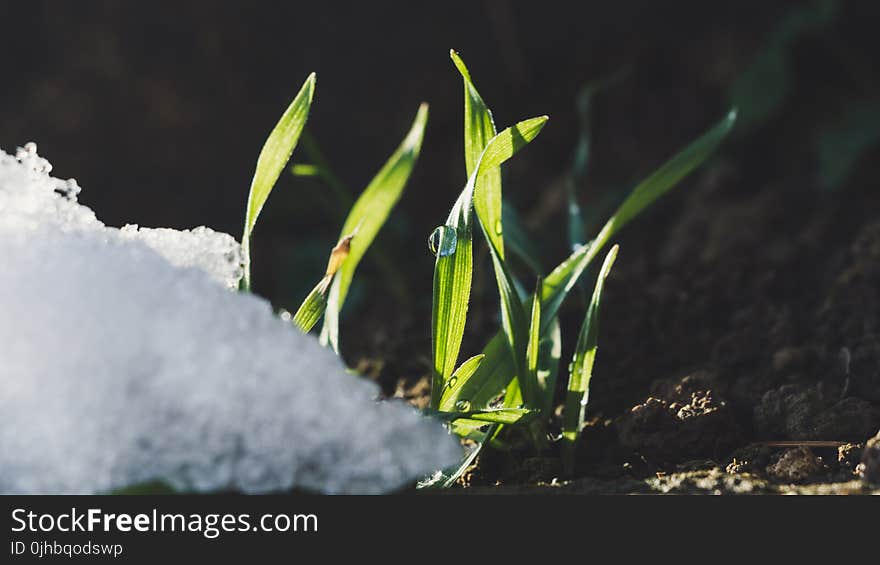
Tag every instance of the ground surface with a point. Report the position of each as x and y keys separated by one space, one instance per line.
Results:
x=754 y=321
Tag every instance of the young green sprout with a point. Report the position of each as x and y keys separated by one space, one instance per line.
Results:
x=366 y=218
x=274 y=156
x=517 y=369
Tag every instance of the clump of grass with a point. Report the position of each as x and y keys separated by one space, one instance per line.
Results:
x=511 y=385
x=518 y=368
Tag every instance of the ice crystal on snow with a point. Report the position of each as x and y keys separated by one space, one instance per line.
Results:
x=124 y=361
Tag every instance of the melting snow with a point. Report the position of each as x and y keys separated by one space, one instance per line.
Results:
x=124 y=358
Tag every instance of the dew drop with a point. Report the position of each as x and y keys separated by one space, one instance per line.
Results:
x=497 y=227
x=463 y=405
x=442 y=241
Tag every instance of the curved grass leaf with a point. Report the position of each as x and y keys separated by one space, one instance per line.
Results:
x=479 y=128
x=377 y=200
x=451 y=294
x=464 y=372
x=488 y=415
x=578 y=389
x=531 y=391
x=453 y=269
x=461 y=375
x=558 y=283
x=495 y=370
x=369 y=214
x=505 y=145
x=273 y=157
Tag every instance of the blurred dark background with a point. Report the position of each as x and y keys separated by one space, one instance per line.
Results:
x=159 y=109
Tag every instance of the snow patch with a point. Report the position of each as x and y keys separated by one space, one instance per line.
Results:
x=126 y=358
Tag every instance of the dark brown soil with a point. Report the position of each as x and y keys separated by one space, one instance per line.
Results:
x=739 y=352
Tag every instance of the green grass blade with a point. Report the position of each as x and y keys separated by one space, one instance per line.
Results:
x=377 y=200
x=479 y=128
x=461 y=375
x=487 y=380
x=513 y=395
x=369 y=214
x=462 y=426
x=505 y=145
x=453 y=269
x=312 y=308
x=507 y=416
x=578 y=390
x=273 y=157
x=451 y=294
x=531 y=390
x=565 y=276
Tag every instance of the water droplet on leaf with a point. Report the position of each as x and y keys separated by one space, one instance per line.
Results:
x=497 y=227
x=463 y=405
x=442 y=241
